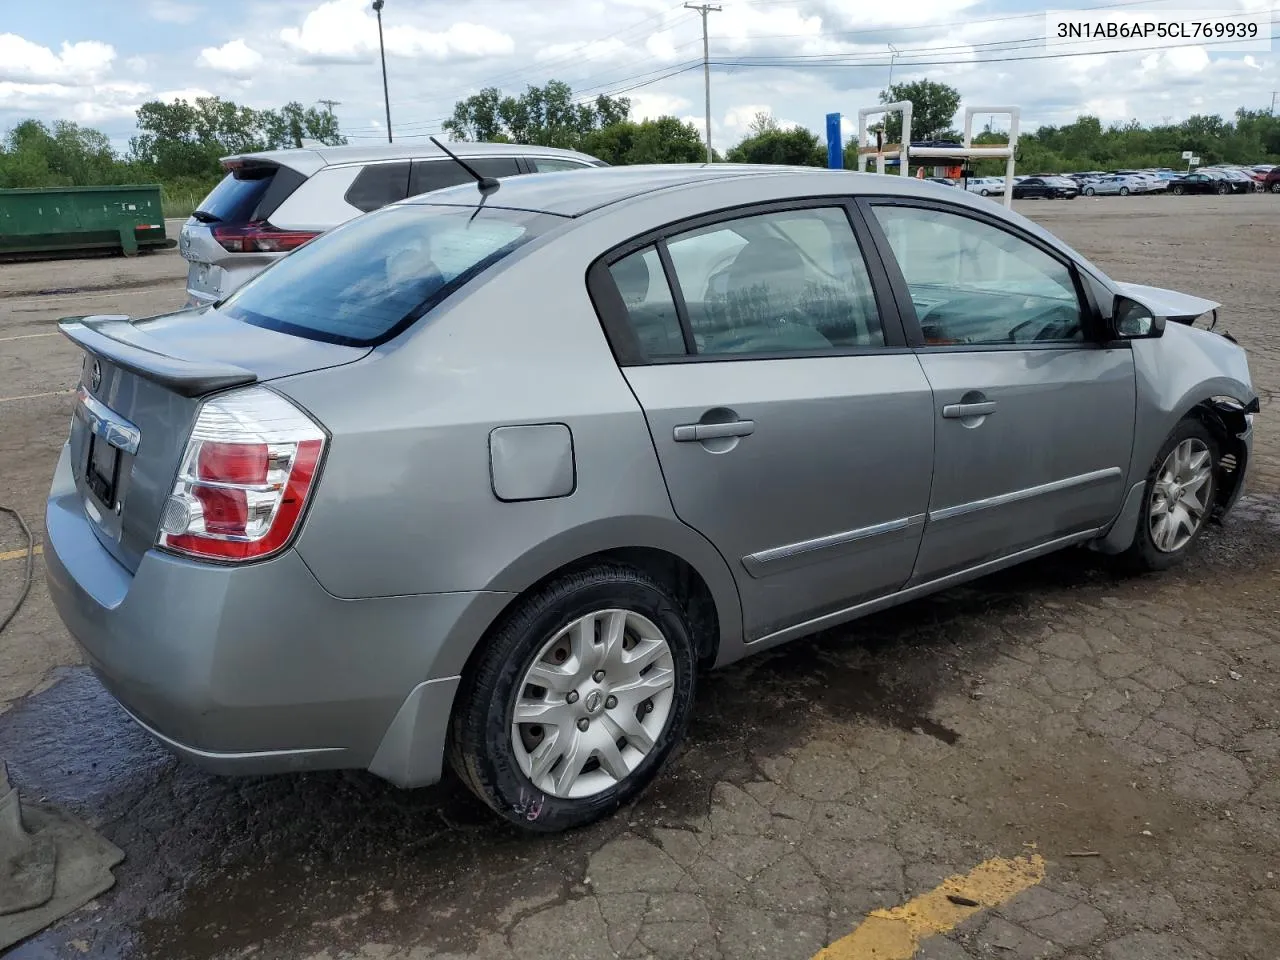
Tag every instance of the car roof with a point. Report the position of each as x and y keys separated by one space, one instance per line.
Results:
x=311 y=158
x=574 y=193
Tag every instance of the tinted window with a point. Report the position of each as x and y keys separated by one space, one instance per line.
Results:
x=975 y=283
x=369 y=278
x=650 y=308
x=379 y=184
x=436 y=175
x=545 y=165
x=776 y=283
x=236 y=196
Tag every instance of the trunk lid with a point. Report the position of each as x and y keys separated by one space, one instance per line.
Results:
x=140 y=389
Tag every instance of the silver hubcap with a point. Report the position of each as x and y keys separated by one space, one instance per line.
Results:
x=593 y=704
x=1180 y=500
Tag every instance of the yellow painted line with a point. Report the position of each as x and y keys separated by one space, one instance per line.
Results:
x=37 y=396
x=896 y=934
x=21 y=554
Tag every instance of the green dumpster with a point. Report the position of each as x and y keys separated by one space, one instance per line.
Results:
x=70 y=219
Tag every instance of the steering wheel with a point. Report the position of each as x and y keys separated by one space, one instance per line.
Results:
x=1048 y=332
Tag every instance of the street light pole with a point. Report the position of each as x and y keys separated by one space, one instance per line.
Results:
x=893 y=55
x=382 y=51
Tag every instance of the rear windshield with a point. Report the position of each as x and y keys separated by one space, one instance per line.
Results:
x=368 y=279
x=235 y=198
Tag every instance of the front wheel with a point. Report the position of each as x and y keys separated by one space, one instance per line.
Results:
x=1223 y=189
x=1089 y=191
x=1178 y=499
x=987 y=193
x=576 y=700
x=1275 y=187
x=1179 y=190
x=1124 y=191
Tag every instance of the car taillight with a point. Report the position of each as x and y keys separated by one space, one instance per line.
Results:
x=259 y=237
x=248 y=470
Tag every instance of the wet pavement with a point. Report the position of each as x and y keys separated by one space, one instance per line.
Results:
x=1126 y=729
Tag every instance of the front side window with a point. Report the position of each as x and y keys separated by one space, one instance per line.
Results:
x=787 y=282
x=974 y=283
x=369 y=278
x=549 y=165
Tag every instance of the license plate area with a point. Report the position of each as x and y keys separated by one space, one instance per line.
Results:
x=102 y=472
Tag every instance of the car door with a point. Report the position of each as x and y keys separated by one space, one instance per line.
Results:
x=1034 y=412
x=792 y=422
x=1033 y=188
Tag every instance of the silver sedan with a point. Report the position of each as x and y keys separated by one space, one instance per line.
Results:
x=490 y=474
x=1116 y=186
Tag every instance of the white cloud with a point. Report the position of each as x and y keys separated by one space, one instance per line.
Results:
x=233 y=57
x=136 y=64
x=20 y=59
x=596 y=50
x=171 y=11
x=646 y=105
x=345 y=31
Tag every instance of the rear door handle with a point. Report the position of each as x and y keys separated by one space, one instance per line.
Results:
x=696 y=432
x=956 y=411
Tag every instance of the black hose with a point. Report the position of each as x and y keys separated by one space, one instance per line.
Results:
x=31 y=564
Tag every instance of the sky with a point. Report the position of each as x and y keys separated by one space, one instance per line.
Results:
x=95 y=61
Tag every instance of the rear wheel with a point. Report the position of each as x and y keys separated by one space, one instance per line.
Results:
x=1275 y=187
x=1223 y=189
x=1178 y=500
x=1124 y=191
x=576 y=700
x=1178 y=189
x=1089 y=191
x=987 y=193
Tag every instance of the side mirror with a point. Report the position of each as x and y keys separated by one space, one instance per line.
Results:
x=1130 y=320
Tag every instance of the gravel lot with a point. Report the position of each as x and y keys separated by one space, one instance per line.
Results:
x=1054 y=710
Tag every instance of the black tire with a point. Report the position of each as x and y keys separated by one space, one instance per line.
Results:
x=1275 y=187
x=1223 y=190
x=480 y=747
x=1089 y=191
x=1124 y=191
x=1178 y=189
x=1143 y=555
x=986 y=193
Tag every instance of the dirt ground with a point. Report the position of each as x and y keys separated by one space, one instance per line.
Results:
x=1127 y=730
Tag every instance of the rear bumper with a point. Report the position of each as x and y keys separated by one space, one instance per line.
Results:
x=257 y=669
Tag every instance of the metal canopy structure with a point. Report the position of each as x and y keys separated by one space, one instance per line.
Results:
x=905 y=152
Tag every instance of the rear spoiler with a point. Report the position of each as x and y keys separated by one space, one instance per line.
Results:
x=113 y=337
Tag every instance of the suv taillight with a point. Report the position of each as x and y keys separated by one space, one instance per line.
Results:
x=259 y=237
x=246 y=475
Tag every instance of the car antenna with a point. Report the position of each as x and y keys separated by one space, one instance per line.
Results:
x=487 y=185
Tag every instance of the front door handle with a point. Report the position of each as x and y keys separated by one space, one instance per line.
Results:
x=958 y=411
x=697 y=432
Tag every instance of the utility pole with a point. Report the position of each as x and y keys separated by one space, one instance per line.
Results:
x=893 y=55
x=330 y=104
x=704 y=9
x=1273 y=101
x=382 y=51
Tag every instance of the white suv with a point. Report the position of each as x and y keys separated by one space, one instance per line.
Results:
x=271 y=202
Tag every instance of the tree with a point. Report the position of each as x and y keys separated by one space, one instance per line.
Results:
x=770 y=143
x=664 y=140
x=291 y=124
x=547 y=116
x=933 y=107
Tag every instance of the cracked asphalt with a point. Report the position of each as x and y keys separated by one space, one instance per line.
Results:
x=1127 y=730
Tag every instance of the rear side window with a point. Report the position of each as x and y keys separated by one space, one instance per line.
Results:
x=379 y=184
x=368 y=279
x=651 y=310
x=437 y=174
